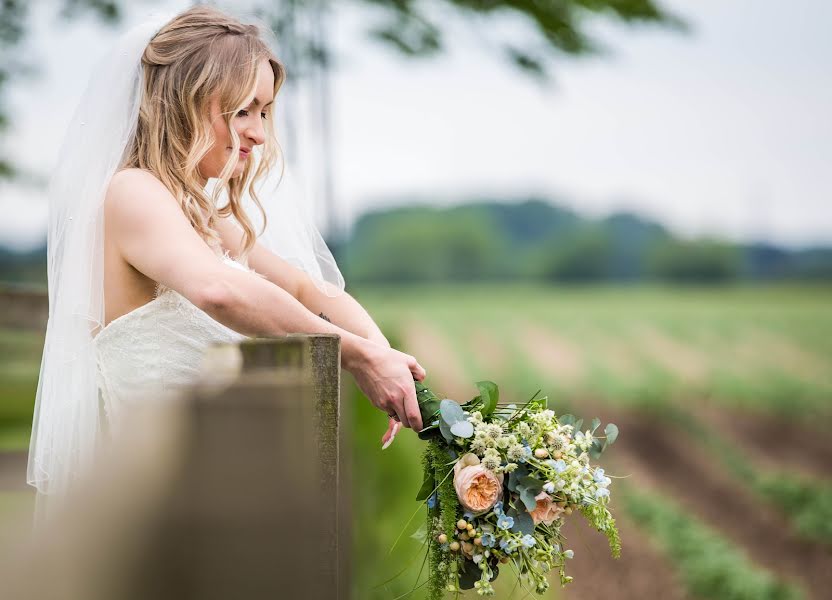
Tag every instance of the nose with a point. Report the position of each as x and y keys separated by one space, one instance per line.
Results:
x=256 y=133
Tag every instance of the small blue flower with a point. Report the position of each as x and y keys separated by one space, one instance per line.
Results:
x=468 y=515
x=432 y=500
x=505 y=522
x=508 y=546
x=498 y=508
x=528 y=541
x=559 y=466
x=602 y=492
x=598 y=475
x=488 y=540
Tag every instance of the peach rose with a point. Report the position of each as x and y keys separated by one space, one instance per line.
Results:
x=477 y=488
x=546 y=511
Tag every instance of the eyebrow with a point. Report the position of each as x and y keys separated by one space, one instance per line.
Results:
x=256 y=102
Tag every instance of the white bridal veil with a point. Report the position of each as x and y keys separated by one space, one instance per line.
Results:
x=67 y=418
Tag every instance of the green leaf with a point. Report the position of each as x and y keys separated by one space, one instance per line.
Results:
x=490 y=395
x=527 y=497
x=578 y=424
x=469 y=575
x=523 y=523
x=445 y=430
x=567 y=419
x=427 y=486
x=596 y=449
x=531 y=484
x=515 y=476
x=463 y=429
x=595 y=423
x=611 y=431
x=450 y=412
x=421 y=533
x=428 y=402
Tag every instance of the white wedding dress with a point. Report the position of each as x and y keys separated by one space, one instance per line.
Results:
x=155 y=350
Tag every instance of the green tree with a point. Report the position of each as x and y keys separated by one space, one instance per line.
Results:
x=700 y=261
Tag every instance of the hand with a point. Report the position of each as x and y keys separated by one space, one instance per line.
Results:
x=386 y=377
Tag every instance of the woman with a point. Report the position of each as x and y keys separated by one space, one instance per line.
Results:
x=146 y=268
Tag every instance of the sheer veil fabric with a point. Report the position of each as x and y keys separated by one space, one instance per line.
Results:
x=67 y=417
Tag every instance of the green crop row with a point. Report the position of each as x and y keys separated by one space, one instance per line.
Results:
x=709 y=564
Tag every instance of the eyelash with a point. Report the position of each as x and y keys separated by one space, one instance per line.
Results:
x=244 y=113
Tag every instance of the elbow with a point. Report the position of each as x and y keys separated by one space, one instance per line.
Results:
x=215 y=298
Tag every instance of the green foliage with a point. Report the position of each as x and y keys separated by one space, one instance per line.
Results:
x=806 y=502
x=701 y=261
x=536 y=240
x=601 y=519
x=586 y=256
x=712 y=567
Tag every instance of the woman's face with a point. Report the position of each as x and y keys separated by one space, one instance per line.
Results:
x=248 y=123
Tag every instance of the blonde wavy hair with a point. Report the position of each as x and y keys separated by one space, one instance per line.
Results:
x=201 y=54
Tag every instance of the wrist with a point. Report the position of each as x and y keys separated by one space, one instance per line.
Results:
x=378 y=338
x=353 y=351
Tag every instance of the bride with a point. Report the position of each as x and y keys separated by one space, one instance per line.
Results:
x=147 y=267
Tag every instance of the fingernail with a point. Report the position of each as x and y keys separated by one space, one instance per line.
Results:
x=396 y=428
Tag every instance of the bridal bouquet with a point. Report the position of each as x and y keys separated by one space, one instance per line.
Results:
x=499 y=481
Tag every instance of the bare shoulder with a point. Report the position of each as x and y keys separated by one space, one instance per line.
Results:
x=133 y=182
x=135 y=194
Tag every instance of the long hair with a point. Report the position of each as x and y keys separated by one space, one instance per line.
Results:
x=200 y=54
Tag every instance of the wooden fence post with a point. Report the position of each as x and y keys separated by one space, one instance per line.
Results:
x=231 y=491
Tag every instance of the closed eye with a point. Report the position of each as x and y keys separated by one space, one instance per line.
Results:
x=244 y=113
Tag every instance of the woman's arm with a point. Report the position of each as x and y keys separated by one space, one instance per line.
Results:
x=154 y=236
x=342 y=310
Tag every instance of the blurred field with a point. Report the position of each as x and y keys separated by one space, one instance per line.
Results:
x=723 y=397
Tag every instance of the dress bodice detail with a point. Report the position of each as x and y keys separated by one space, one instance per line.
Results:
x=155 y=349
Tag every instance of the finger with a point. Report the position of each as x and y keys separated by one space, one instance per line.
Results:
x=416 y=369
x=411 y=407
x=401 y=412
x=393 y=427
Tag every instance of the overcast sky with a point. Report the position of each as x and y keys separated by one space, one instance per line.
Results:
x=725 y=130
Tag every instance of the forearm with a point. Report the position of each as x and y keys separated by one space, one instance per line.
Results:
x=342 y=310
x=254 y=306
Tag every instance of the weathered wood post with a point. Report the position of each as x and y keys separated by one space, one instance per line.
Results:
x=320 y=357
x=230 y=490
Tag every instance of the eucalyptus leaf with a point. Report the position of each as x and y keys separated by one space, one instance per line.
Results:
x=611 y=431
x=595 y=423
x=463 y=429
x=527 y=497
x=596 y=449
x=450 y=412
x=490 y=395
x=567 y=419
x=445 y=430
x=523 y=523
x=578 y=424
x=531 y=483
x=515 y=476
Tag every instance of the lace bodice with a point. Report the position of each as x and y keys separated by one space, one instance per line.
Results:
x=155 y=349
